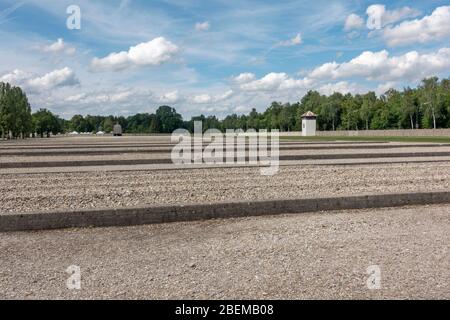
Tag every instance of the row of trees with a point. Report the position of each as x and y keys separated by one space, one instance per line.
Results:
x=164 y=120
x=16 y=120
x=427 y=106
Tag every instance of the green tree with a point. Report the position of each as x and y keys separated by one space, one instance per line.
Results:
x=350 y=113
x=331 y=110
x=169 y=119
x=367 y=108
x=409 y=107
x=77 y=123
x=45 y=122
x=139 y=123
x=155 y=126
x=394 y=106
x=15 y=112
x=429 y=100
x=108 y=124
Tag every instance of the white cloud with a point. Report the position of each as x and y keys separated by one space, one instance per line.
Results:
x=152 y=53
x=291 y=42
x=104 y=96
x=120 y=96
x=324 y=71
x=432 y=27
x=213 y=109
x=170 y=97
x=16 y=77
x=57 y=78
x=275 y=81
x=382 y=88
x=291 y=83
x=76 y=97
x=202 y=98
x=379 y=17
x=228 y=94
x=202 y=26
x=341 y=87
x=353 y=21
x=380 y=66
x=242 y=109
x=59 y=47
x=392 y=16
x=244 y=78
x=208 y=98
x=271 y=81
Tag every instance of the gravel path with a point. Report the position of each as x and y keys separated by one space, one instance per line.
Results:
x=37 y=192
x=322 y=255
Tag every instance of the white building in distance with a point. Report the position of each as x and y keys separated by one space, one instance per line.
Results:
x=309 y=124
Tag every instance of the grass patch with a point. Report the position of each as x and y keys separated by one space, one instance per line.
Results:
x=439 y=139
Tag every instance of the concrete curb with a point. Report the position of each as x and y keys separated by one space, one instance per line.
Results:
x=189 y=212
x=83 y=163
x=99 y=151
x=11 y=146
x=34 y=171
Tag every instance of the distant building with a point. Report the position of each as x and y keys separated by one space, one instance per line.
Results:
x=309 y=124
x=117 y=130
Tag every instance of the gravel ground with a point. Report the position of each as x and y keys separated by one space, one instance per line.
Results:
x=44 y=191
x=322 y=256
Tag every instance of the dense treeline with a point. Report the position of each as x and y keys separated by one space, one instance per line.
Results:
x=427 y=106
x=165 y=120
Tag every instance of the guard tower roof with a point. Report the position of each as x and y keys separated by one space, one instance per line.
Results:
x=309 y=114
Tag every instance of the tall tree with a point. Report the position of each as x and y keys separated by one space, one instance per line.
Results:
x=15 y=112
x=430 y=98
x=45 y=122
x=169 y=119
x=409 y=107
x=367 y=108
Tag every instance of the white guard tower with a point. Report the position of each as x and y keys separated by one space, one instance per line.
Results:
x=309 y=124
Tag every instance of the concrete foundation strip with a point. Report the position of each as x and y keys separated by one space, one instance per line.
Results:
x=129 y=216
x=99 y=151
x=13 y=146
x=83 y=163
x=159 y=167
x=349 y=144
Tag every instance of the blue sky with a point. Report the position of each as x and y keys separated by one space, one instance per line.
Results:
x=216 y=57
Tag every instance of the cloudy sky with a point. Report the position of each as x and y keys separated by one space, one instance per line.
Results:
x=216 y=56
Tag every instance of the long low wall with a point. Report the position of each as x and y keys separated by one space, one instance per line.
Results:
x=190 y=212
x=373 y=133
x=285 y=157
